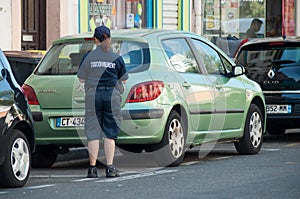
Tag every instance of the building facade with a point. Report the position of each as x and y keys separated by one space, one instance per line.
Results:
x=34 y=24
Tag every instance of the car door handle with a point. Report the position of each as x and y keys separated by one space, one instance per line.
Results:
x=219 y=86
x=185 y=84
x=79 y=99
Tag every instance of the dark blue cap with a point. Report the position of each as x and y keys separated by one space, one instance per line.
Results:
x=100 y=32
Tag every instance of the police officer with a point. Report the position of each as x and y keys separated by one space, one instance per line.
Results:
x=101 y=71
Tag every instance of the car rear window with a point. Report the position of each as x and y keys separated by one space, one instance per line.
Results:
x=275 y=66
x=65 y=58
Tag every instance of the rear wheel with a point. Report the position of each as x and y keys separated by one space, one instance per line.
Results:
x=44 y=156
x=170 y=151
x=252 y=140
x=15 y=170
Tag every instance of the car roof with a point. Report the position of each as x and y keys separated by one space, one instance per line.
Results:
x=294 y=39
x=129 y=34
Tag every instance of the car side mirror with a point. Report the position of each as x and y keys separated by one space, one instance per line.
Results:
x=238 y=70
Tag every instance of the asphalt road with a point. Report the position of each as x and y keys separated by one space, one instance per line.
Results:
x=220 y=173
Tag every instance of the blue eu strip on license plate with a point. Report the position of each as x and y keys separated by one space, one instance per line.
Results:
x=69 y=121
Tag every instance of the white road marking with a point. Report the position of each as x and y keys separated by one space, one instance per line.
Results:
x=189 y=163
x=41 y=186
x=56 y=176
x=222 y=158
x=83 y=179
x=141 y=175
x=271 y=149
x=293 y=144
x=3 y=192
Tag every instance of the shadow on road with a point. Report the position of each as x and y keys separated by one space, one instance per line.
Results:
x=78 y=158
x=287 y=137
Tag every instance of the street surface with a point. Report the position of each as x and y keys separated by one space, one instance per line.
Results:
x=221 y=173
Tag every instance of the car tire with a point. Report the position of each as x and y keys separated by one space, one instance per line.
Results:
x=170 y=151
x=252 y=139
x=16 y=168
x=44 y=157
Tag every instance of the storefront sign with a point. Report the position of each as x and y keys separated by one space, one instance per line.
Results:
x=100 y=9
x=130 y=20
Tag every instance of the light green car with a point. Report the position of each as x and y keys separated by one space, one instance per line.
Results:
x=182 y=91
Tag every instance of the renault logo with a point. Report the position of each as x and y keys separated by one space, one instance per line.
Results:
x=271 y=74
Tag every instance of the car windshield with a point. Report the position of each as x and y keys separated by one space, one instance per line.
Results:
x=274 y=67
x=65 y=58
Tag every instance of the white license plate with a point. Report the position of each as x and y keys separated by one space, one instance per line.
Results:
x=277 y=109
x=69 y=121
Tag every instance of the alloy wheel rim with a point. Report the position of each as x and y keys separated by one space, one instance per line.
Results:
x=20 y=159
x=255 y=129
x=176 y=138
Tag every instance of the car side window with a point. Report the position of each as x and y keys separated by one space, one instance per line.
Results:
x=180 y=55
x=227 y=64
x=209 y=57
x=135 y=54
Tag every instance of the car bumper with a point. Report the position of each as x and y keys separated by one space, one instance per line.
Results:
x=143 y=125
x=283 y=121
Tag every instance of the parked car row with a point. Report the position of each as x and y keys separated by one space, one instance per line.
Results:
x=182 y=91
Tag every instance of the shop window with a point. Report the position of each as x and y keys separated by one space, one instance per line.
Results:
x=232 y=18
x=112 y=13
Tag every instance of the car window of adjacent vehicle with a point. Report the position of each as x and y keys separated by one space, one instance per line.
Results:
x=209 y=57
x=180 y=55
x=256 y=55
x=65 y=59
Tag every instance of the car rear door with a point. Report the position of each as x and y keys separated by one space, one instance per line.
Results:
x=198 y=93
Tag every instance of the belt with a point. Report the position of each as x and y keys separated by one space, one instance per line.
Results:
x=105 y=87
x=101 y=88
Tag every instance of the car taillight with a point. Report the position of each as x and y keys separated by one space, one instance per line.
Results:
x=276 y=43
x=30 y=94
x=145 y=91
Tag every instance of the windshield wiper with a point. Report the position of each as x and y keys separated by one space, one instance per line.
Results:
x=280 y=62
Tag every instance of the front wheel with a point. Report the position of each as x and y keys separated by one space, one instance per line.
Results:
x=15 y=170
x=170 y=151
x=252 y=140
